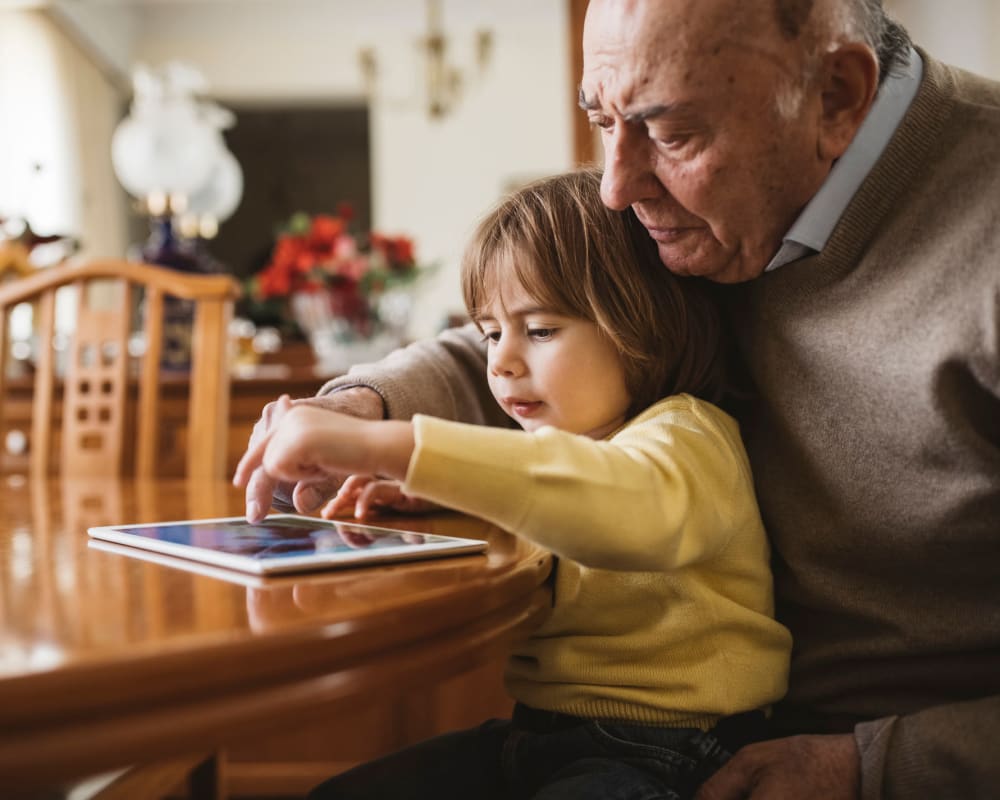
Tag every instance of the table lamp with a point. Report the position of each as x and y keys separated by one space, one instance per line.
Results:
x=170 y=155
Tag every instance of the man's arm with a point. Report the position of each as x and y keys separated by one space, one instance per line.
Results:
x=444 y=377
x=944 y=751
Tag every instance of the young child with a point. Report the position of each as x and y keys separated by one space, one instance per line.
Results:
x=660 y=653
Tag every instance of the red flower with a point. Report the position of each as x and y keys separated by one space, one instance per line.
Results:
x=398 y=250
x=287 y=249
x=402 y=250
x=353 y=268
x=274 y=282
x=324 y=230
x=320 y=253
x=304 y=262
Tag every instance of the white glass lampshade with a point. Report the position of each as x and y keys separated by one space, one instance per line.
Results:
x=220 y=195
x=166 y=147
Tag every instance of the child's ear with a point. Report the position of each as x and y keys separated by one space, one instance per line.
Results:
x=849 y=81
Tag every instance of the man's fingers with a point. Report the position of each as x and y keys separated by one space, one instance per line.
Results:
x=307 y=497
x=734 y=781
x=281 y=497
x=790 y=769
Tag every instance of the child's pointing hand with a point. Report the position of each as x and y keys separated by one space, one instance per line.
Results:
x=310 y=443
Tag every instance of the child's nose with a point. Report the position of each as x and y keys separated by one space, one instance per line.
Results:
x=506 y=360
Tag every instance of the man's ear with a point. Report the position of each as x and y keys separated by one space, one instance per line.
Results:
x=849 y=76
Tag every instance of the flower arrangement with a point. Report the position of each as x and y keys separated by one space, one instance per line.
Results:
x=341 y=286
x=321 y=254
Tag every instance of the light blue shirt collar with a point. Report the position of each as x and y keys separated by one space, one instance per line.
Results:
x=811 y=231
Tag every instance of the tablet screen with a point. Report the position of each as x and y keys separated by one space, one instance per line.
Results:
x=284 y=542
x=280 y=538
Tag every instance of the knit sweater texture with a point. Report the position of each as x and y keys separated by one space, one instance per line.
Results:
x=662 y=611
x=875 y=445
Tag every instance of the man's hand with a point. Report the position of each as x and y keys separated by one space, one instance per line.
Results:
x=796 y=768
x=262 y=491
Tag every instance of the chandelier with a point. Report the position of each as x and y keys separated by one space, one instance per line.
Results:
x=444 y=80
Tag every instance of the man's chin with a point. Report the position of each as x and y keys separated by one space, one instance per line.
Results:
x=700 y=265
x=683 y=263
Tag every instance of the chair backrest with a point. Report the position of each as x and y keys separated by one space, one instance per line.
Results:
x=97 y=374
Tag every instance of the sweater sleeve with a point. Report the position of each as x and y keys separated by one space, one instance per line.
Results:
x=948 y=750
x=443 y=376
x=665 y=492
x=944 y=751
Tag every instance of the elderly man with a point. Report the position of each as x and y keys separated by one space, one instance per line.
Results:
x=845 y=188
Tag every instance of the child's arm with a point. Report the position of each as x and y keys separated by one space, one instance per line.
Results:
x=670 y=490
x=363 y=494
x=309 y=443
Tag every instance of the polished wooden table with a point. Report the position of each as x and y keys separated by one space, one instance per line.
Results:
x=108 y=660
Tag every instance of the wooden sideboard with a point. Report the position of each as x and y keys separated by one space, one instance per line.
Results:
x=290 y=371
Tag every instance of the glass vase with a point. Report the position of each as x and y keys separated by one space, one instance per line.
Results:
x=343 y=334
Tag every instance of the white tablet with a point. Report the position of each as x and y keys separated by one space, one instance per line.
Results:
x=284 y=543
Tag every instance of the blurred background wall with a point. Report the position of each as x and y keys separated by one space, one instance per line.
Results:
x=64 y=85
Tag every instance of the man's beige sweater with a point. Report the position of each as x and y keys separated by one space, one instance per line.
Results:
x=875 y=445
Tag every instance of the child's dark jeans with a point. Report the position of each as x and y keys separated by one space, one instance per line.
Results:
x=546 y=756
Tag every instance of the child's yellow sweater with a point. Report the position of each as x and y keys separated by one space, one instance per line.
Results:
x=663 y=596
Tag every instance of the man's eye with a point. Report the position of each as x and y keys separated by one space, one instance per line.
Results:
x=541 y=334
x=602 y=122
x=671 y=141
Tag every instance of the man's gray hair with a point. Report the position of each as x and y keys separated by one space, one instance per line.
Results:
x=884 y=35
x=863 y=19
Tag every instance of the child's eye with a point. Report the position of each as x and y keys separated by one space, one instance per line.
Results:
x=491 y=336
x=541 y=334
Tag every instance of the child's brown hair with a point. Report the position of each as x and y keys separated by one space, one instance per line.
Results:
x=580 y=258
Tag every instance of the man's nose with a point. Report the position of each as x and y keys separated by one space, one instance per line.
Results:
x=628 y=176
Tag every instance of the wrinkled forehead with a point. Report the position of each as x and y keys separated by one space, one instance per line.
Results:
x=634 y=48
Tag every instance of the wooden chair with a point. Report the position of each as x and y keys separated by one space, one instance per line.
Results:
x=98 y=368
x=94 y=436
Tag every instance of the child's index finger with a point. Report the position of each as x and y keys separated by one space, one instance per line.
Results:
x=254 y=455
x=251 y=460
